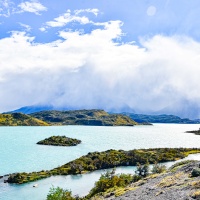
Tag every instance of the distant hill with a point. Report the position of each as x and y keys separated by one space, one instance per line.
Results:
x=160 y=119
x=31 y=109
x=19 y=119
x=84 y=117
x=182 y=108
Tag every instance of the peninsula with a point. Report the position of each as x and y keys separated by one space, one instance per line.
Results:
x=107 y=159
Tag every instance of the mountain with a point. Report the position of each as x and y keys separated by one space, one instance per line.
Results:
x=31 y=109
x=140 y=118
x=38 y=108
x=182 y=108
x=84 y=117
x=19 y=119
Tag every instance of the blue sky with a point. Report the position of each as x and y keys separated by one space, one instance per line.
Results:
x=169 y=18
x=115 y=55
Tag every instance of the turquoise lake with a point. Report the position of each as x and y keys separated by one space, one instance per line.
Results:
x=20 y=153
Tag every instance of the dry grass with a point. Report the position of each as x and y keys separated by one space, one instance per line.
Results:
x=196 y=194
x=169 y=181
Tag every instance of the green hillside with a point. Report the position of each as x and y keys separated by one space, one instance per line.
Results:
x=19 y=119
x=84 y=117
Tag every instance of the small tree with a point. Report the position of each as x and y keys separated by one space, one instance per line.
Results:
x=195 y=172
x=158 y=168
x=59 y=194
x=142 y=170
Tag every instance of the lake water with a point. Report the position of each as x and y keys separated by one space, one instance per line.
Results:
x=20 y=153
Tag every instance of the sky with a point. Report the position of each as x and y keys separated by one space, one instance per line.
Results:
x=132 y=55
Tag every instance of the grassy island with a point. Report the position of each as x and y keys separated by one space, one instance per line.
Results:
x=196 y=132
x=107 y=159
x=19 y=119
x=60 y=141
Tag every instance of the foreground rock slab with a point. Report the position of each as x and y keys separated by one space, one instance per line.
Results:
x=176 y=184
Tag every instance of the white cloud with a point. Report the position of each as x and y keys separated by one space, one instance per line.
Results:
x=32 y=6
x=6 y=8
x=95 y=11
x=69 y=17
x=26 y=27
x=93 y=71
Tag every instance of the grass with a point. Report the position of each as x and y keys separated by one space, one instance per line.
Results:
x=169 y=181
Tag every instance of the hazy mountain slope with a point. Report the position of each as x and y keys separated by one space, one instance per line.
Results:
x=160 y=119
x=31 y=109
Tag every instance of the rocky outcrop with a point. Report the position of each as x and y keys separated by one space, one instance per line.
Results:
x=181 y=182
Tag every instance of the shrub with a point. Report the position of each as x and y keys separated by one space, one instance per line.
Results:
x=110 y=180
x=158 y=168
x=142 y=170
x=59 y=194
x=195 y=172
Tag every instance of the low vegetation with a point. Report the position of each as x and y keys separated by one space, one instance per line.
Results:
x=59 y=194
x=107 y=159
x=84 y=117
x=19 y=119
x=60 y=141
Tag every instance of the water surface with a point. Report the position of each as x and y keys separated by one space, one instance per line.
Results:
x=19 y=152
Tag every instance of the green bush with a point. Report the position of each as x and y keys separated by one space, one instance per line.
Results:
x=59 y=194
x=158 y=168
x=142 y=170
x=110 y=180
x=195 y=172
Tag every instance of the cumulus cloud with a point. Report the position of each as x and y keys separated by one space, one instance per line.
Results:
x=95 y=71
x=69 y=17
x=32 y=7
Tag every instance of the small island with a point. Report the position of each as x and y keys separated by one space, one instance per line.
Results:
x=196 y=132
x=60 y=141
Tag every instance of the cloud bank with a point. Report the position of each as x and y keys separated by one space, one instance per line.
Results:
x=95 y=70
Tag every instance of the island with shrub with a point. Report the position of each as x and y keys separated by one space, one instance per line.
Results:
x=60 y=141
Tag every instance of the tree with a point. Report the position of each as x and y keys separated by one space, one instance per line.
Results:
x=59 y=194
x=142 y=170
